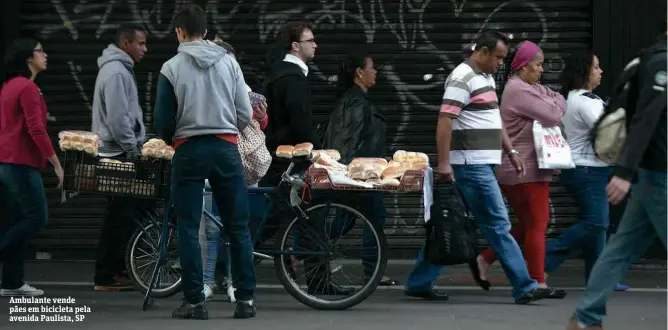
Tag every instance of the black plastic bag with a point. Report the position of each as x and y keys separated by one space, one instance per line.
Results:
x=452 y=238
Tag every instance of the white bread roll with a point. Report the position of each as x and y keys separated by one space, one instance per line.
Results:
x=333 y=154
x=400 y=156
x=422 y=157
x=285 y=151
x=390 y=182
x=302 y=149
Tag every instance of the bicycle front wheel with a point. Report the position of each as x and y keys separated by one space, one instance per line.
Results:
x=317 y=263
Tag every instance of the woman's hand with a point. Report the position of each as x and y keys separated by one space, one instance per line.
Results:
x=260 y=110
x=60 y=174
x=58 y=169
x=518 y=164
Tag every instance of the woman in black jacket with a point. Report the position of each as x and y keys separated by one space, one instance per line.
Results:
x=357 y=129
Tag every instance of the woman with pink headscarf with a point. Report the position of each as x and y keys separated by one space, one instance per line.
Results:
x=524 y=100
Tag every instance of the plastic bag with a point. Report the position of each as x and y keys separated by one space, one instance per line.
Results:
x=552 y=150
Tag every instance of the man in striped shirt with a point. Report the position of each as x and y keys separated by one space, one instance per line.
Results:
x=469 y=141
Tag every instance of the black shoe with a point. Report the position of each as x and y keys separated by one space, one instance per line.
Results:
x=556 y=294
x=475 y=271
x=428 y=295
x=533 y=295
x=245 y=309
x=191 y=312
x=330 y=289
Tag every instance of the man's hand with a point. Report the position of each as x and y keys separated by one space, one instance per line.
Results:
x=444 y=172
x=518 y=164
x=617 y=189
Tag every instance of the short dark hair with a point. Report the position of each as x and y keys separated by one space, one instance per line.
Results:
x=128 y=31
x=226 y=45
x=577 y=67
x=292 y=32
x=192 y=19
x=490 y=39
x=16 y=57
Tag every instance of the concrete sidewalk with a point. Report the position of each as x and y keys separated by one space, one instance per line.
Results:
x=569 y=275
x=384 y=310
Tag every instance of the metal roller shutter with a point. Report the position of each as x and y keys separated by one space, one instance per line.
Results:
x=415 y=44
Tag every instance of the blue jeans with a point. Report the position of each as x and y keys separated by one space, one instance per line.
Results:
x=482 y=195
x=213 y=241
x=208 y=157
x=22 y=214
x=587 y=186
x=644 y=219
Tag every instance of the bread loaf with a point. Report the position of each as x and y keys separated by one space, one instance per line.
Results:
x=356 y=172
x=419 y=166
x=392 y=173
x=390 y=182
x=302 y=149
x=284 y=151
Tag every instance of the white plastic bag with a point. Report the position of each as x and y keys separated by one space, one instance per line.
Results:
x=552 y=150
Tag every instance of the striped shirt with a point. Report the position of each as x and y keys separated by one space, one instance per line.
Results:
x=470 y=98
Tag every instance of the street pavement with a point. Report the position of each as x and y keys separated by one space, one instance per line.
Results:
x=469 y=308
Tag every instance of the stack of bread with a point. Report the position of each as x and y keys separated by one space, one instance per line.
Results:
x=379 y=171
x=299 y=150
x=79 y=141
x=156 y=148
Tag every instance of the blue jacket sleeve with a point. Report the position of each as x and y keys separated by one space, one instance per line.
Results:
x=164 y=112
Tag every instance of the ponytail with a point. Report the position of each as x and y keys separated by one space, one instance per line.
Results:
x=347 y=68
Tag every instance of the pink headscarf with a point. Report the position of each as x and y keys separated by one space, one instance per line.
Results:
x=525 y=54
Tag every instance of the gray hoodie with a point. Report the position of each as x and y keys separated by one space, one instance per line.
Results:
x=201 y=91
x=117 y=116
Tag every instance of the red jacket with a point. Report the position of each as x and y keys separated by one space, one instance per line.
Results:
x=23 y=136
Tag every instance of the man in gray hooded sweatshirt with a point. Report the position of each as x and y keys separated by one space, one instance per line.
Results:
x=117 y=118
x=202 y=105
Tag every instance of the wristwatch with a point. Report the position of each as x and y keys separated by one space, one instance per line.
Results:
x=512 y=152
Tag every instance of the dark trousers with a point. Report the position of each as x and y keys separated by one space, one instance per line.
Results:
x=23 y=214
x=119 y=224
x=208 y=157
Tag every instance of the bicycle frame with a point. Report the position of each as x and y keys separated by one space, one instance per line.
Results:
x=270 y=254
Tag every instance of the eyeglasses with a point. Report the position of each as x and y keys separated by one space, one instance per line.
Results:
x=308 y=40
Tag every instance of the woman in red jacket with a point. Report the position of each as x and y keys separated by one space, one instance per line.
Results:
x=24 y=151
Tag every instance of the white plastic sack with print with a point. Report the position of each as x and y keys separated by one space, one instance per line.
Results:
x=552 y=149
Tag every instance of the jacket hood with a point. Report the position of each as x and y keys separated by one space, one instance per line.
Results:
x=282 y=69
x=204 y=52
x=114 y=53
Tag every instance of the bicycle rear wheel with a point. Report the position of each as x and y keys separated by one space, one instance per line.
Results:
x=326 y=225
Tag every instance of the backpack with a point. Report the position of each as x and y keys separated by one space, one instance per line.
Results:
x=608 y=136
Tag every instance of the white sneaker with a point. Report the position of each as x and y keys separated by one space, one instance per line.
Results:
x=25 y=291
x=208 y=292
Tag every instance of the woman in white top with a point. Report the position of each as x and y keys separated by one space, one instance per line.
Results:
x=587 y=181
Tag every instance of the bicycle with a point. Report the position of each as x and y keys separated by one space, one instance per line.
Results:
x=288 y=247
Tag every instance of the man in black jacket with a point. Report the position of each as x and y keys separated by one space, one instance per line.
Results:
x=288 y=106
x=642 y=162
x=289 y=109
